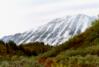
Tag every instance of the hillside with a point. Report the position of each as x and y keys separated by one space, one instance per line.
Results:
x=81 y=50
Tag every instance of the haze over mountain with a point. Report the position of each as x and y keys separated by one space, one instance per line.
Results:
x=54 y=32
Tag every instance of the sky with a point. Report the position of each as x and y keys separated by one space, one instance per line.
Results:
x=17 y=16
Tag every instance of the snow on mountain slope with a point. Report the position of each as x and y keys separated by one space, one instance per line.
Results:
x=55 y=32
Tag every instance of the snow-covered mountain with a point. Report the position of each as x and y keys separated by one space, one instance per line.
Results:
x=55 y=32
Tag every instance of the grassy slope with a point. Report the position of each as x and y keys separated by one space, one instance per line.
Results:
x=82 y=49
x=21 y=56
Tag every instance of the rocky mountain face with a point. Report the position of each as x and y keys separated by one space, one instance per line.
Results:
x=55 y=32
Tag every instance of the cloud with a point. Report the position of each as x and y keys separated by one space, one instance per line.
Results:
x=21 y=15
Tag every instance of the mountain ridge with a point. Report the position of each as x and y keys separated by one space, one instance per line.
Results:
x=55 y=32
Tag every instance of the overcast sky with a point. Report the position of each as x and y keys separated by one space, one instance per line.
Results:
x=22 y=15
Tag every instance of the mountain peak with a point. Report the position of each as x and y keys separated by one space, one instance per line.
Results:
x=55 y=32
